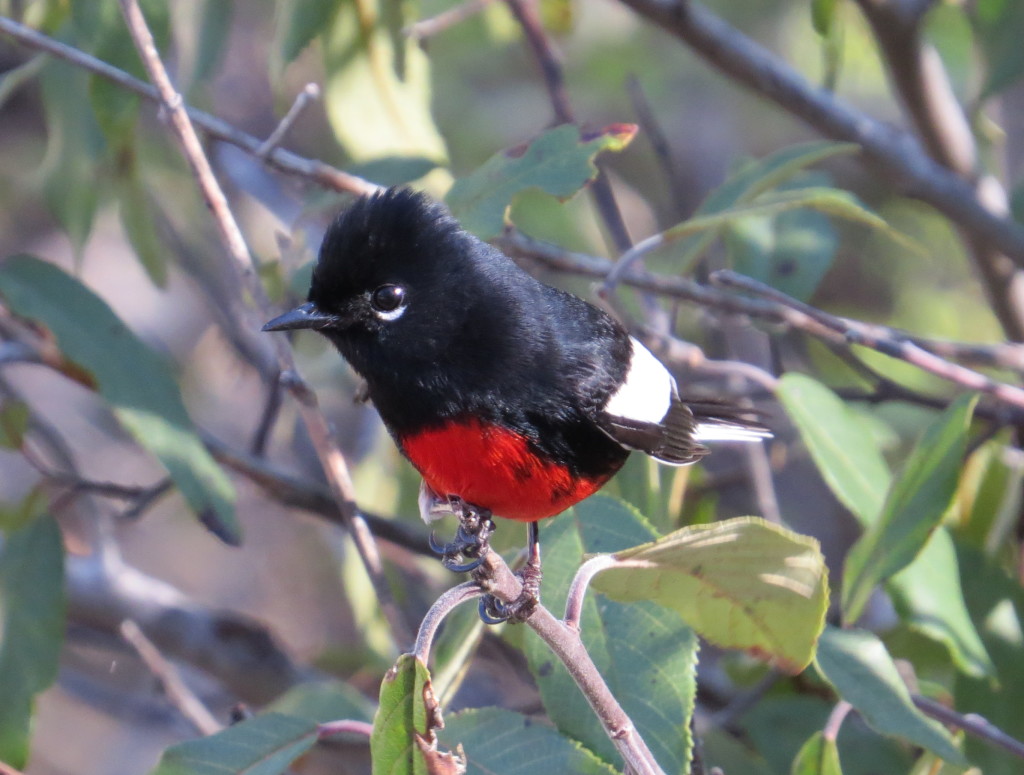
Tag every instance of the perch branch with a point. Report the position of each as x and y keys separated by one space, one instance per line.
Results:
x=971 y=723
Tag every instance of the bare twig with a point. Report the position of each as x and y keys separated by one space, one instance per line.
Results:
x=310 y=93
x=428 y=28
x=862 y=334
x=578 y=589
x=183 y=698
x=971 y=723
x=269 y=415
x=655 y=135
x=311 y=169
x=836 y=719
x=443 y=606
x=327 y=450
x=894 y=153
x=343 y=727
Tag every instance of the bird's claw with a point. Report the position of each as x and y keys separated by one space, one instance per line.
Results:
x=466 y=551
x=494 y=611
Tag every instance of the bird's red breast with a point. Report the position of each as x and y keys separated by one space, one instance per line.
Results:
x=495 y=468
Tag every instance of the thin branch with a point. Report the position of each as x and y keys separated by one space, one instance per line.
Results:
x=183 y=698
x=443 y=606
x=863 y=335
x=578 y=589
x=660 y=145
x=343 y=727
x=310 y=93
x=285 y=161
x=836 y=719
x=327 y=450
x=971 y=723
x=894 y=153
x=428 y=28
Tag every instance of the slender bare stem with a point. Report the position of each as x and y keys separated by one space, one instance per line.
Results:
x=443 y=606
x=343 y=727
x=327 y=450
x=428 y=28
x=836 y=719
x=183 y=698
x=310 y=93
x=895 y=348
x=971 y=723
x=578 y=588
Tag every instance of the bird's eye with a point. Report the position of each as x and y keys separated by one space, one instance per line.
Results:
x=388 y=298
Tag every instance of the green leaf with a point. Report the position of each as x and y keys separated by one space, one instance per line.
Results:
x=372 y=65
x=214 y=31
x=17 y=515
x=831 y=201
x=914 y=508
x=560 y=162
x=998 y=24
x=645 y=653
x=299 y=22
x=756 y=177
x=401 y=716
x=500 y=741
x=860 y=669
x=840 y=445
x=929 y=599
x=14 y=416
x=31 y=627
x=324 y=701
x=742 y=583
x=136 y=210
x=819 y=756
x=137 y=383
x=265 y=745
x=823 y=15
x=791 y=252
x=74 y=145
x=393 y=170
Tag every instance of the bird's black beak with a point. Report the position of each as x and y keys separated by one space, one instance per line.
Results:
x=304 y=316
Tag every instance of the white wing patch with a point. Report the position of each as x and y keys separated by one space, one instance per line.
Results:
x=647 y=392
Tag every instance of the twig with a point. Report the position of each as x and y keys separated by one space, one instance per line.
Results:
x=971 y=723
x=311 y=169
x=343 y=727
x=836 y=719
x=578 y=589
x=894 y=153
x=310 y=93
x=655 y=135
x=443 y=606
x=319 y=432
x=6 y=769
x=269 y=415
x=183 y=698
x=428 y=28
x=863 y=335
x=146 y=499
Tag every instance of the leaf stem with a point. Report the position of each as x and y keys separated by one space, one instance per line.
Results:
x=578 y=588
x=443 y=606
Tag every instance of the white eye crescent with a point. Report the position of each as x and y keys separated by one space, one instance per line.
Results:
x=388 y=302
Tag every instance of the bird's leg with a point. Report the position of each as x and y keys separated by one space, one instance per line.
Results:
x=494 y=611
x=467 y=550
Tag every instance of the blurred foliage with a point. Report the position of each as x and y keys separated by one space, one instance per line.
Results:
x=122 y=356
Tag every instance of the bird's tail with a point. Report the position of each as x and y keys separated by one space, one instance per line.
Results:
x=726 y=421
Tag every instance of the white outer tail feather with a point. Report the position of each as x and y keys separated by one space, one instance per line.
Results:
x=712 y=431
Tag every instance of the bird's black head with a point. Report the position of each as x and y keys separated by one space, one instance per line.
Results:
x=401 y=289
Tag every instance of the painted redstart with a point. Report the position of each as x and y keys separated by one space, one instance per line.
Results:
x=510 y=397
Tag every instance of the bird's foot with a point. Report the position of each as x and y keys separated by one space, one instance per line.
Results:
x=494 y=611
x=471 y=543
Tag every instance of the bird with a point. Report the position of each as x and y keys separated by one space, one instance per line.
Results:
x=512 y=398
